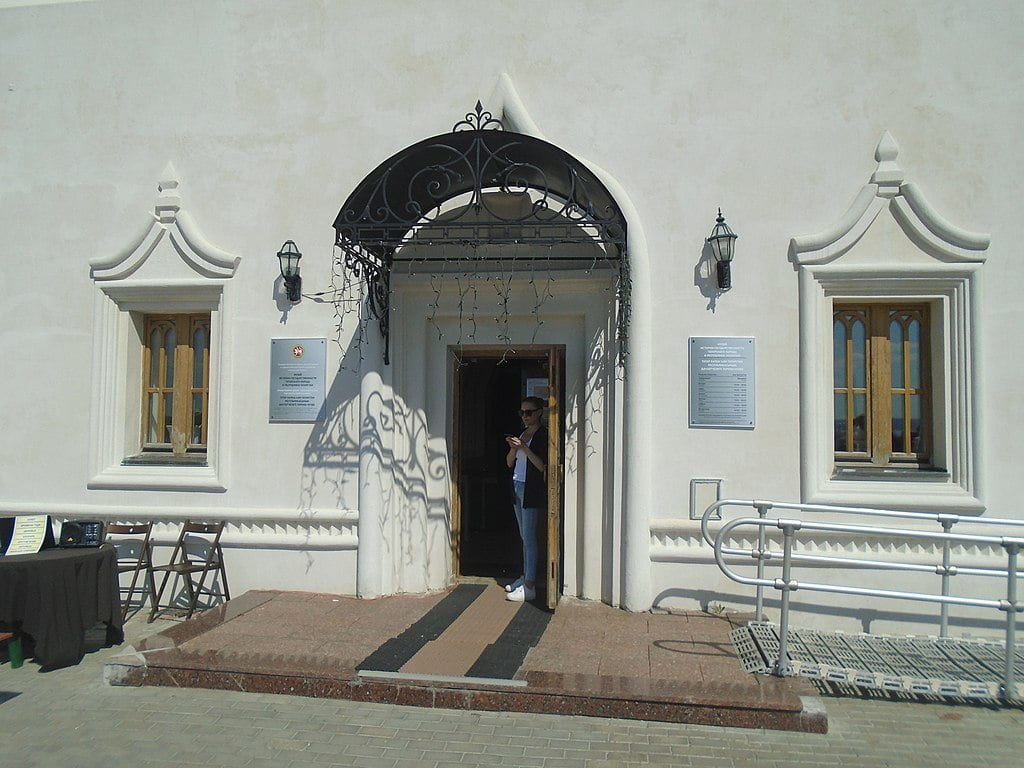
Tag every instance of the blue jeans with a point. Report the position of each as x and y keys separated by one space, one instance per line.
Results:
x=527 y=519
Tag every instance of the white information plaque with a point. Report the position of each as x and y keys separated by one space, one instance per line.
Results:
x=298 y=374
x=722 y=382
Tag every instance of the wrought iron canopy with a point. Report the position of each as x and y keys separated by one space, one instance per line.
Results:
x=477 y=185
x=404 y=196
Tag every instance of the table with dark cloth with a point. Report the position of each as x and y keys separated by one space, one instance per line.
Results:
x=57 y=595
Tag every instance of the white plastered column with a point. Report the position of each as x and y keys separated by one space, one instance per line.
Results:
x=370 y=562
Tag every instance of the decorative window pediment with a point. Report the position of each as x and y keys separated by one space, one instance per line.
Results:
x=170 y=238
x=169 y=269
x=888 y=188
x=917 y=259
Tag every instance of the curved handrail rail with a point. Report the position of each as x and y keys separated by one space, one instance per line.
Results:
x=721 y=552
x=939 y=517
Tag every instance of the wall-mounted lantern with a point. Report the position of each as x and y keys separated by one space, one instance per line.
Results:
x=289 y=258
x=723 y=247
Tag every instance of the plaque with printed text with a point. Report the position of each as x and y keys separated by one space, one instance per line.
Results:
x=722 y=382
x=298 y=373
x=28 y=535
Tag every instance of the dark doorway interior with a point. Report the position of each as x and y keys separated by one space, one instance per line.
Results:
x=491 y=392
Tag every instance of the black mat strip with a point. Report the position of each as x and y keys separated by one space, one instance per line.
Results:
x=391 y=656
x=503 y=658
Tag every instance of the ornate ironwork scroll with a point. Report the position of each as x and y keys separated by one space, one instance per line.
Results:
x=456 y=189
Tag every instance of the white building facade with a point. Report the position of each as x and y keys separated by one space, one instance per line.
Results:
x=155 y=157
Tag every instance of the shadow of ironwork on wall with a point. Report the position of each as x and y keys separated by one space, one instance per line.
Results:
x=408 y=466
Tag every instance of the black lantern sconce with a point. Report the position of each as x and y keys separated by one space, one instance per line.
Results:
x=289 y=257
x=723 y=246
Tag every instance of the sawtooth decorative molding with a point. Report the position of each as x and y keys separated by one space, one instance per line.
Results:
x=287 y=529
x=676 y=542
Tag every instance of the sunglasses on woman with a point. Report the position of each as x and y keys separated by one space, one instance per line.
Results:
x=529 y=412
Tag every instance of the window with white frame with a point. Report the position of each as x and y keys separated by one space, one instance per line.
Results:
x=889 y=342
x=887 y=388
x=161 y=350
x=159 y=415
x=881 y=394
x=175 y=388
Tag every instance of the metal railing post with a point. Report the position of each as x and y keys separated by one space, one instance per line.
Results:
x=944 y=607
x=762 y=512
x=1012 y=548
x=788 y=527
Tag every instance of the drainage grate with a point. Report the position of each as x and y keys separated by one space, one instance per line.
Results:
x=950 y=667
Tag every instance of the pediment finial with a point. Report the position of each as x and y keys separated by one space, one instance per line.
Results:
x=168 y=177
x=888 y=173
x=168 y=203
x=887 y=149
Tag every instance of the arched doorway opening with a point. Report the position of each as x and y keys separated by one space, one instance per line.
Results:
x=481 y=206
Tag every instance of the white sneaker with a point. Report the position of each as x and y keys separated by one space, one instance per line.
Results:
x=514 y=585
x=521 y=594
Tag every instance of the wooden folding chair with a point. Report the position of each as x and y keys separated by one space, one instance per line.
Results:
x=197 y=553
x=134 y=556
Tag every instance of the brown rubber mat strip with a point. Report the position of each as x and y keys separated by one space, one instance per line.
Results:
x=459 y=646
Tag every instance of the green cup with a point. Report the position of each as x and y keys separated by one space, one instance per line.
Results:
x=15 y=652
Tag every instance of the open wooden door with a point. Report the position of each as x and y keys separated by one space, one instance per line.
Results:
x=456 y=518
x=555 y=355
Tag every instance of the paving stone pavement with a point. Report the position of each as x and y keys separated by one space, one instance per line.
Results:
x=71 y=718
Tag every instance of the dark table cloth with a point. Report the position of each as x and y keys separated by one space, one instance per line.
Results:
x=57 y=595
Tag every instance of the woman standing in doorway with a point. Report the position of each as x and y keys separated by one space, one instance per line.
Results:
x=528 y=460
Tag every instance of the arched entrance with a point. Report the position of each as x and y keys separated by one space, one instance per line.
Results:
x=482 y=206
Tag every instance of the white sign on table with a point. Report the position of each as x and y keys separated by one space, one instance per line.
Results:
x=28 y=535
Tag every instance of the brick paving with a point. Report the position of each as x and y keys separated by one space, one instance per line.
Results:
x=71 y=718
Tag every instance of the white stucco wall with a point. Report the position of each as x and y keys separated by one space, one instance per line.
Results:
x=272 y=112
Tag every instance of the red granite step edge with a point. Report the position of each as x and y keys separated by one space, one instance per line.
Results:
x=606 y=697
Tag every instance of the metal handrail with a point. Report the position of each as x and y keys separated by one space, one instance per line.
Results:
x=762 y=554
